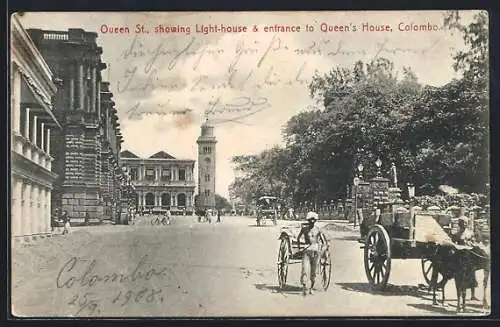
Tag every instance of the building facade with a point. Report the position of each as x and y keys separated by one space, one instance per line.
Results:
x=33 y=125
x=86 y=150
x=161 y=182
x=206 y=167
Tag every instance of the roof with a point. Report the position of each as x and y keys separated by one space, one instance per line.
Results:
x=162 y=155
x=128 y=154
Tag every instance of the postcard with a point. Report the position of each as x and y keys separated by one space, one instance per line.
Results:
x=249 y=164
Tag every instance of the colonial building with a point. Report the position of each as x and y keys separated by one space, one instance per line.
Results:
x=86 y=151
x=206 y=167
x=161 y=182
x=33 y=125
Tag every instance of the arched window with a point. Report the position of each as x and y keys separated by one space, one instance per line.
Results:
x=181 y=200
x=150 y=199
x=165 y=199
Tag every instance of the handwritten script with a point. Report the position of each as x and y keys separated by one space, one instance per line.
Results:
x=248 y=66
x=83 y=276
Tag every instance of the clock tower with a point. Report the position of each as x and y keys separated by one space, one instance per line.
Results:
x=206 y=167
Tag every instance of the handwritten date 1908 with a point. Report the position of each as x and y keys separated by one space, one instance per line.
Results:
x=145 y=295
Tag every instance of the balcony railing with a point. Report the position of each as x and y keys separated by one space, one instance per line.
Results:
x=32 y=152
x=56 y=36
x=163 y=182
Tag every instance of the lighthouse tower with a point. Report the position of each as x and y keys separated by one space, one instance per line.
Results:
x=206 y=166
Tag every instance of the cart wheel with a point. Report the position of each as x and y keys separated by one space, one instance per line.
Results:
x=283 y=256
x=325 y=269
x=377 y=257
x=427 y=270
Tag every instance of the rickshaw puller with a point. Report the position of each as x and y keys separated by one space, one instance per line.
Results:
x=315 y=240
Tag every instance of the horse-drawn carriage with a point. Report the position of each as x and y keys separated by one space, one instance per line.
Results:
x=399 y=233
x=267 y=208
x=290 y=252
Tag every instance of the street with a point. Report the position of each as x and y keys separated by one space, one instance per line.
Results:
x=203 y=270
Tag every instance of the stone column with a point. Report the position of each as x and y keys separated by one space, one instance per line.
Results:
x=156 y=199
x=48 y=196
x=81 y=88
x=17 y=214
x=34 y=141
x=42 y=142
x=28 y=209
x=98 y=98
x=27 y=133
x=47 y=146
x=24 y=202
x=35 y=210
x=16 y=100
x=93 y=85
x=42 y=209
x=71 y=86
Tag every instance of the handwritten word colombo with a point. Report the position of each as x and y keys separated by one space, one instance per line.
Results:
x=68 y=276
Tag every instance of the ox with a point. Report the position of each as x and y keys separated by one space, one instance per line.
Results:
x=458 y=263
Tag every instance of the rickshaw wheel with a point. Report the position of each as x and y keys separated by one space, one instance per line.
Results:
x=427 y=270
x=377 y=255
x=325 y=269
x=283 y=256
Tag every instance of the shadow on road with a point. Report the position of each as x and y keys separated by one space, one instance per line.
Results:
x=449 y=308
x=261 y=226
x=390 y=290
x=348 y=238
x=288 y=289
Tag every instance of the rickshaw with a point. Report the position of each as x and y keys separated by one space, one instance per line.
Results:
x=267 y=208
x=290 y=252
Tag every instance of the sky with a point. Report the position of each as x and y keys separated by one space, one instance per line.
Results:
x=248 y=84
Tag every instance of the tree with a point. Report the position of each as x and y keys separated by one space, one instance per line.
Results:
x=434 y=135
x=472 y=62
x=221 y=202
x=368 y=109
x=260 y=174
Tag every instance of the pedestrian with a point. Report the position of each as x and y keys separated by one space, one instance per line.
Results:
x=55 y=219
x=218 y=216
x=168 y=216
x=67 y=223
x=465 y=237
x=315 y=242
x=87 y=218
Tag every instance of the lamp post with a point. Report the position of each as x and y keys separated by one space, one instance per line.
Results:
x=356 y=183
x=379 y=164
x=360 y=171
x=411 y=195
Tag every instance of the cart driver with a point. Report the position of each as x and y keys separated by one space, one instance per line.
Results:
x=464 y=236
x=315 y=241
